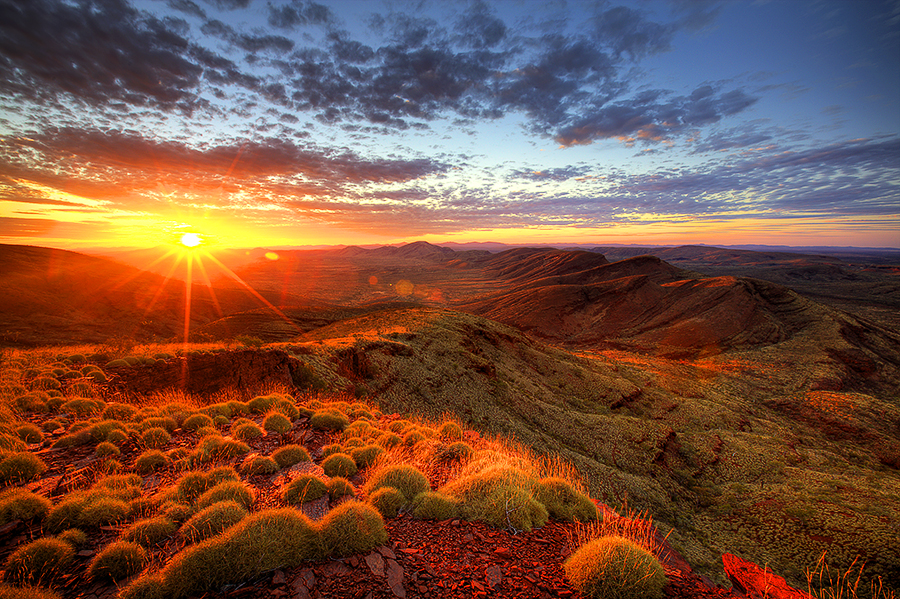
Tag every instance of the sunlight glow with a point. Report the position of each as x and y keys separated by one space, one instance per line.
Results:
x=190 y=240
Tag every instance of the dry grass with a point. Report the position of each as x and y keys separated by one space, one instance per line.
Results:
x=823 y=583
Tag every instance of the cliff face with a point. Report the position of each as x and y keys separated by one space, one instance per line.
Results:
x=204 y=373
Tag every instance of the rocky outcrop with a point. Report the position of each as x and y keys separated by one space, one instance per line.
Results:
x=206 y=373
x=758 y=583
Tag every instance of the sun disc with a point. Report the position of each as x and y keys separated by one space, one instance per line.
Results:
x=190 y=240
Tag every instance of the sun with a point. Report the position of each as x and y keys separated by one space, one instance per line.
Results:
x=190 y=240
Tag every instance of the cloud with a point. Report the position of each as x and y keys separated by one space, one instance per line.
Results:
x=229 y=4
x=100 y=53
x=187 y=7
x=25 y=227
x=653 y=117
x=250 y=43
x=298 y=13
x=114 y=164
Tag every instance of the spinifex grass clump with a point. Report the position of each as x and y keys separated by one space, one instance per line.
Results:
x=613 y=567
x=118 y=561
x=195 y=422
x=260 y=543
x=38 y=562
x=259 y=464
x=193 y=484
x=339 y=487
x=106 y=502
x=563 y=501
x=499 y=495
x=329 y=419
x=20 y=467
x=407 y=479
x=303 y=489
x=339 y=464
x=29 y=433
x=352 y=527
x=247 y=431
x=432 y=505
x=366 y=455
x=17 y=503
x=215 y=447
x=277 y=422
x=388 y=501
x=150 y=461
x=150 y=531
x=212 y=520
x=155 y=438
x=288 y=455
x=233 y=490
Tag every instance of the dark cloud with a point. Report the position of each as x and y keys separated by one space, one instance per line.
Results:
x=99 y=52
x=551 y=174
x=652 y=117
x=229 y=4
x=187 y=7
x=250 y=43
x=25 y=227
x=626 y=31
x=480 y=29
x=298 y=13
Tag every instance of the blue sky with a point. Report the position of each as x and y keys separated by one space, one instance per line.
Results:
x=273 y=123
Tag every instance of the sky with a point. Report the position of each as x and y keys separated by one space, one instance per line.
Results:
x=273 y=123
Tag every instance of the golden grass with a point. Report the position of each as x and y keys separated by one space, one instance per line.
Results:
x=823 y=583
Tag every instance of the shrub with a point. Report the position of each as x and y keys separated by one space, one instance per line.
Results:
x=150 y=532
x=450 y=430
x=365 y=456
x=260 y=464
x=388 y=440
x=407 y=479
x=352 y=527
x=432 y=505
x=117 y=363
x=304 y=488
x=176 y=511
x=74 y=537
x=212 y=520
x=233 y=490
x=563 y=502
x=288 y=455
x=193 y=484
x=99 y=431
x=117 y=561
x=155 y=438
x=263 y=403
x=613 y=567
x=216 y=447
x=163 y=422
x=277 y=423
x=17 y=503
x=237 y=408
x=119 y=411
x=102 y=512
x=247 y=431
x=287 y=407
x=150 y=461
x=195 y=422
x=500 y=496
x=26 y=592
x=412 y=437
x=331 y=449
x=106 y=449
x=45 y=382
x=117 y=436
x=329 y=420
x=340 y=487
x=259 y=543
x=52 y=425
x=388 y=501
x=455 y=452
x=80 y=407
x=20 y=467
x=38 y=562
x=29 y=433
x=339 y=464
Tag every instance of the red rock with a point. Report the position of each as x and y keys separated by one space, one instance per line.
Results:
x=493 y=575
x=502 y=552
x=756 y=582
x=375 y=561
x=278 y=578
x=395 y=578
x=386 y=552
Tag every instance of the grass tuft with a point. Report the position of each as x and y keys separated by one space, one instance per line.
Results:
x=20 y=467
x=17 y=503
x=118 y=561
x=289 y=455
x=39 y=562
x=212 y=520
x=407 y=479
x=339 y=464
x=150 y=531
x=352 y=527
x=432 y=505
x=233 y=490
x=303 y=489
x=613 y=567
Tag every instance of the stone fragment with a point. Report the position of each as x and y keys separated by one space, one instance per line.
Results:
x=756 y=582
x=395 y=578
x=375 y=561
x=493 y=575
